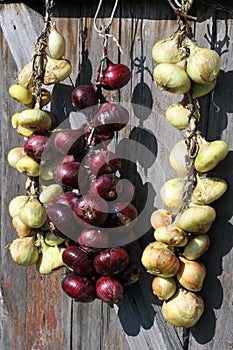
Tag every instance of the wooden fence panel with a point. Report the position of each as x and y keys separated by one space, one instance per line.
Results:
x=35 y=313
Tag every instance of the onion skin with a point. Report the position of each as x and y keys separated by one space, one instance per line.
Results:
x=196 y=247
x=115 y=76
x=172 y=78
x=110 y=117
x=208 y=158
x=159 y=260
x=177 y=158
x=208 y=190
x=195 y=219
x=79 y=288
x=178 y=115
x=184 y=309
x=109 y=290
x=171 y=235
x=167 y=51
x=84 y=96
x=160 y=217
x=191 y=274
x=111 y=261
x=172 y=192
x=164 y=287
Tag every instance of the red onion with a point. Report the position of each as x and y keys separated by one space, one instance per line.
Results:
x=91 y=210
x=115 y=76
x=66 y=198
x=79 y=288
x=35 y=145
x=68 y=174
x=106 y=187
x=69 y=141
x=63 y=219
x=84 y=96
x=123 y=214
x=110 y=117
x=104 y=162
x=93 y=240
x=109 y=290
x=78 y=261
x=111 y=261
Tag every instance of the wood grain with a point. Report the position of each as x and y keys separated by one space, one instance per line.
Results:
x=35 y=313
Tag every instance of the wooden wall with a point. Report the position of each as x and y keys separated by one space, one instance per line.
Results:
x=35 y=313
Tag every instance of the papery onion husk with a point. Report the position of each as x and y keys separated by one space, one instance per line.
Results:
x=16 y=204
x=33 y=213
x=23 y=251
x=50 y=258
x=172 y=78
x=172 y=235
x=15 y=155
x=25 y=77
x=56 y=43
x=208 y=190
x=196 y=247
x=28 y=166
x=35 y=120
x=199 y=90
x=178 y=115
x=191 y=274
x=164 y=287
x=20 y=94
x=167 y=50
x=158 y=259
x=172 y=192
x=20 y=227
x=56 y=70
x=160 y=217
x=184 y=309
x=52 y=240
x=177 y=158
x=210 y=157
x=49 y=193
x=203 y=64
x=195 y=219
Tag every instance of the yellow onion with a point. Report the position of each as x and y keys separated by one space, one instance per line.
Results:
x=209 y=158
x=191 y=274
x=16 y=204
x=199 y=90
x=25 y=77
x=49 y=193
x=178 y=115
x=184 y=309
x=196 y=247
x=50 y=258
x=52 y=240
x=47 y=170
x=35 y=120
x=45 y=97
x=177 y=158
x=164 y=287
x=168 y=50
x=14 y=120
x=158 y=259
x=20 y=227
x=160 y=217
x=23 y=251
x=56 y=43
x=172 y=235
x=33 y=213
x=28 y=166
x=197 y=218
x=172 y=78
x=15 y=155
x=208 y=190
x=20 y=94
x=203 y=64
x=172 y=192
x=56 y=70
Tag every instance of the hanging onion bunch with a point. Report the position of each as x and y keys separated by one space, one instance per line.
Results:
x=36 y=244
x=181 y=231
